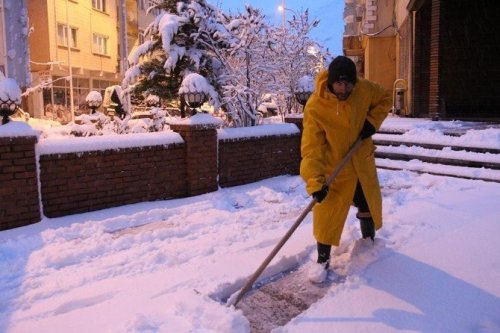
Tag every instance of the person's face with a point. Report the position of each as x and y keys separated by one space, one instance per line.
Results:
x=342 y=89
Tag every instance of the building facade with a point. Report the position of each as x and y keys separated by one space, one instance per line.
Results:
x=442 y=55
x=79 y=46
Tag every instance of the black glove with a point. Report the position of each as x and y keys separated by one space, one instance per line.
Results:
x=367 y=130
x=321 y=194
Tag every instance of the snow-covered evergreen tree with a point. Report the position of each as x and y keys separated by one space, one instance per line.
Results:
x=185 y=38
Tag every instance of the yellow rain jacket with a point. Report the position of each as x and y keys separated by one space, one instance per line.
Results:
x=331 y=127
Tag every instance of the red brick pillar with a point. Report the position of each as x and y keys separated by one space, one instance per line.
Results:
x=201 y=156
x=434 y=86
x=298 y=121
x=19 y=203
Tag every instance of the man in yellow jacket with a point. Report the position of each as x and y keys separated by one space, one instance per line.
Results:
x=342 y=109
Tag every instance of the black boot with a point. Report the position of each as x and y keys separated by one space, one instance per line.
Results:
x=367 y=228
x=324 y=254
x=364 y=216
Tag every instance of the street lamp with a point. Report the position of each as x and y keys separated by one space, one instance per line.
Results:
x=194 y=90
x=305 y=87
x=69 y=40
x=282 y=8
x=93 y=100
x=10 y=98
x=194 y=99
x=302 y=97
x=7 y=108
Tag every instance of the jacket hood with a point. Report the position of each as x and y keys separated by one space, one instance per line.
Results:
x=321 y=85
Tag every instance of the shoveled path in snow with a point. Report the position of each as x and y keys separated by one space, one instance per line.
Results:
x=276 y=300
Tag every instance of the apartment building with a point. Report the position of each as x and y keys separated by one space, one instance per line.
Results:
x=79 y=46
x=440 y=57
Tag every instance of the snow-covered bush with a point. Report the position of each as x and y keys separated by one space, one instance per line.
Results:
x=152 y=120
x=89 y=125
x=152 y=100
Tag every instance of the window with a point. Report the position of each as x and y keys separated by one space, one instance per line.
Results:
x=62 y=35
x=99 y=5
x=56 y=98
x=101 y=85
x=100 y=44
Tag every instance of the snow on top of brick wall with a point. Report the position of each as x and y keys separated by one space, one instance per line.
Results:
x=198 y=119
x=257 y=131
x=106 y=142
x=16 y=129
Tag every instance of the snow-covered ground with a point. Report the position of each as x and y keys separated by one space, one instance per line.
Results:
x=159 y=266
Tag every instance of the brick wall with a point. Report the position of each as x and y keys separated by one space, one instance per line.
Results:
x=421 y=70
x=19 y=203
x=435 y=111
x=86 y=181
x=247 y=160
x=80 y=182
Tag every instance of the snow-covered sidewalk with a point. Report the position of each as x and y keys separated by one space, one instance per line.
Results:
x=156 y=267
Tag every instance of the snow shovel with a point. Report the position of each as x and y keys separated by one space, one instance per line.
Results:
x=302 y=216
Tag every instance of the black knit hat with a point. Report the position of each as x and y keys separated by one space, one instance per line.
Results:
x=341 y=69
